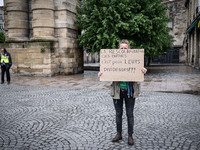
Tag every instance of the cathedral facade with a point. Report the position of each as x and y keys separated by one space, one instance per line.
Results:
x=41 y=36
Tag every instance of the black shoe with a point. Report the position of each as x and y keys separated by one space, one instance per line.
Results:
x=8 y=82
x=117 y=137
x=2 y=82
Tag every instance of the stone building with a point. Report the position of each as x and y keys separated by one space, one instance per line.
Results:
x=41 y=36
x=193 y=32
x=177 y=26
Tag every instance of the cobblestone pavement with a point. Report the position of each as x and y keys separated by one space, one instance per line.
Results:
x=181 y=79
x=65 y=114
x=35 y=118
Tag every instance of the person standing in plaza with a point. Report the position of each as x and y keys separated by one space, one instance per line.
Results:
x=5 y=63
x=124 y=92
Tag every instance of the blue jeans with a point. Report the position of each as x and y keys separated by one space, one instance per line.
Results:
x=129 y=103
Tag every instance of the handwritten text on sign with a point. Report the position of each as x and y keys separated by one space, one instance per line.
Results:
x=121 y=64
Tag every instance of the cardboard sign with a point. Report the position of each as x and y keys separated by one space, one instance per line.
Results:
x=121 y=64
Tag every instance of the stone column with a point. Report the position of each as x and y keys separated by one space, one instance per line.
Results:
x=189 y=48
x=30 y=21
x=195 y=46
x=43 y=19
x=17 y=20
x=71 y=56
x=199 y=49
x=193 y=41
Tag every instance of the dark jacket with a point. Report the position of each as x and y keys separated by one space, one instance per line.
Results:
x=10 y=60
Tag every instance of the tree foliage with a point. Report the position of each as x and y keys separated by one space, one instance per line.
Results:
x=2 y=37
x=105 y=22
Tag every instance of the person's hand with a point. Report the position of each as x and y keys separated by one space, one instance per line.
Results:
x=99 y=74
x=144 y=70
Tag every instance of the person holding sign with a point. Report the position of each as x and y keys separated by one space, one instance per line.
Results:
x=124 y=91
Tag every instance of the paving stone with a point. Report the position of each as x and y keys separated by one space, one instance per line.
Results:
x=40 y=117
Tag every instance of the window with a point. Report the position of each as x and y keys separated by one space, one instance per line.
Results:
x=1 y=26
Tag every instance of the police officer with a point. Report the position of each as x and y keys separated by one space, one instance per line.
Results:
x=6 y=63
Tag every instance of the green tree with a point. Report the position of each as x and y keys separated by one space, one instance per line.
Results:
x=2 y=37
x=105 y=22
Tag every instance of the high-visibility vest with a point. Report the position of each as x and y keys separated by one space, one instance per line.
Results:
x=4 y=59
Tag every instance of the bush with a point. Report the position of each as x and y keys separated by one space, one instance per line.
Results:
x=2 y=37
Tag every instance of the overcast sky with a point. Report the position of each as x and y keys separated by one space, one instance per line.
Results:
x=1 y=2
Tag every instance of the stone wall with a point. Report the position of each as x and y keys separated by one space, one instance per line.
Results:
x=32 y=58
x=35 y=24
